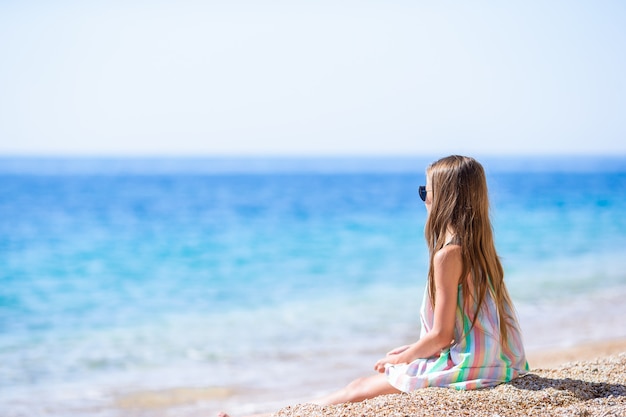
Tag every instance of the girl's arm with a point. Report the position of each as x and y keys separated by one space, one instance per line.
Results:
x=448 y=266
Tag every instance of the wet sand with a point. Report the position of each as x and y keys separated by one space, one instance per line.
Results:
x=550 y=358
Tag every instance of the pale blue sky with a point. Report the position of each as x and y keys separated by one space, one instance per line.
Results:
x=312 y=78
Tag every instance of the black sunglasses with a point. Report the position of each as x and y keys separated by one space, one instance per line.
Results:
x=422 y=192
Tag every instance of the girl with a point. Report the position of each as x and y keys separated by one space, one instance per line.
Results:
x=470 y=337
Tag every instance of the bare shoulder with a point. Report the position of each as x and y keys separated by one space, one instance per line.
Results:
x=447 y=254
x=448 y=262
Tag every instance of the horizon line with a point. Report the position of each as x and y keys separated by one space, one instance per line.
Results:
x=287 y=164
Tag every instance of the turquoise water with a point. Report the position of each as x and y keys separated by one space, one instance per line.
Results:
x=126 y=275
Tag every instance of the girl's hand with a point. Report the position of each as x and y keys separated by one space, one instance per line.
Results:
x=393 y=357
x=380 y=365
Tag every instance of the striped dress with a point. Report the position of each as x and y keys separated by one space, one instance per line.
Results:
x=478 y=359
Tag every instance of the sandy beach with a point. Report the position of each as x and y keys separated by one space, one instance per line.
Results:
x=565 y=382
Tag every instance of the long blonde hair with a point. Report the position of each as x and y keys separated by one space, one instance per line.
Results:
x=459 y=201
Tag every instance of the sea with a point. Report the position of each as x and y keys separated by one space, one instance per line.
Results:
x=183 y=286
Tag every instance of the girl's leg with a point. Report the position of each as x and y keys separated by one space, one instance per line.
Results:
x=359 y=390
